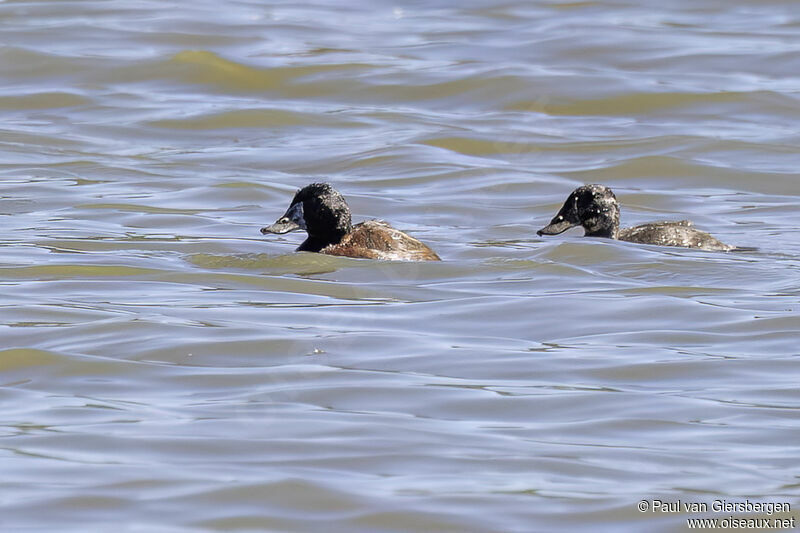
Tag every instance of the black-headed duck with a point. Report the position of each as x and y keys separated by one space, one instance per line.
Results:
x=322 y=212
x=596 y=209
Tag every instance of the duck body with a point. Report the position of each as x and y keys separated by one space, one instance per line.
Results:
x=324 y=214
x=595 y=208
x=681 y=233
x=375 y=239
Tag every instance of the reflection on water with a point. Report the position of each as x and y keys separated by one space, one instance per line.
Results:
x=165 y=366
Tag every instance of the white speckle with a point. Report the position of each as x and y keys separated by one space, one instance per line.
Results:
x=398 y=12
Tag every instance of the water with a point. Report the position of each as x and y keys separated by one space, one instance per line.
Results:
x=165 y=367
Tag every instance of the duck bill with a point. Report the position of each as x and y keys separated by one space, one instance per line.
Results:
x=554 y=228
x=283 y=225
x=291 y=220
x=566 y=218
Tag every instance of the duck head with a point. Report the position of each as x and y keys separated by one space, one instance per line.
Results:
x=592 y=206
x=321 y=211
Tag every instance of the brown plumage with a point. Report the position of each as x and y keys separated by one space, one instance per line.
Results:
x=375 y=239
x=320 y=210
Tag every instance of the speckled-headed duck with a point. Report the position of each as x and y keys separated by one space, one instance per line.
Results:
x=596 y=209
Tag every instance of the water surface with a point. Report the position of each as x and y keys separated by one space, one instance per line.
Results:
x=165 y=367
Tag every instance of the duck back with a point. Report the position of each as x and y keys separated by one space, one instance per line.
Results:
x=678 y=233
x=375 y=239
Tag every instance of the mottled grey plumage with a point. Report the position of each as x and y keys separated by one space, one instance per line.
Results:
x=596 y=209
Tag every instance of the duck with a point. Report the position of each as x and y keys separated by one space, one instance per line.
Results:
x=596 y=209
x=322 y=212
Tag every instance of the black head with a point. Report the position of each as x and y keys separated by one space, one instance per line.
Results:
x=319 y=210
x=592 y=206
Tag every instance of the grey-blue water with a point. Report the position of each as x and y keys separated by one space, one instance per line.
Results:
x=164 y=367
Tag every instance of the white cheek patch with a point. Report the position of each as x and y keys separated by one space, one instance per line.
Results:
x=295 y=214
